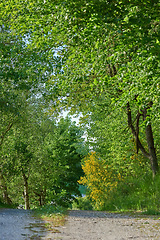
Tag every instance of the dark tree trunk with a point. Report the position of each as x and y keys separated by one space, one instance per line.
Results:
x=41 y=197
x=151 y=153
x=151 y=148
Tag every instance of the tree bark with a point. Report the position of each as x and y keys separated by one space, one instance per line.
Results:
x=41 y=196
x=26 y=193
x=151 y=153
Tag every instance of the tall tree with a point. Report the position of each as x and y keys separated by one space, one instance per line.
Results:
x=108 y=48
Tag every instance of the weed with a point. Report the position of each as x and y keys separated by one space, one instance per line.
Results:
x=52 y=216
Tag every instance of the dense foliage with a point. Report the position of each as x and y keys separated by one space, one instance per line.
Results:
x=41 y=162
x=103 y=59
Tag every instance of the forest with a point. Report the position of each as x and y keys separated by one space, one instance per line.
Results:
x=98 y=60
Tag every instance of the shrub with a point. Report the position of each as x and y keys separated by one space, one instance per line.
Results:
x=82 y=203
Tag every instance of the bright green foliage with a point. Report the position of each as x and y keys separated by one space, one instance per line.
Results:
x=23 y=74
x=46 y=157
x=59 y=159
x=107 y=67
x=107 y=47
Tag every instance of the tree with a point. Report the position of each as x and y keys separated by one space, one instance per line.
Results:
x=108 y=48
x=109 y=54
x=42 y=160
x=23 y=74
x=25 y=157
x=100 y=178
x=60 y=157
x=17 y=153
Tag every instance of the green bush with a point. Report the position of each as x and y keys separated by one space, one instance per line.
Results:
x=82 y=203
x=49 y=210
x=141 y=193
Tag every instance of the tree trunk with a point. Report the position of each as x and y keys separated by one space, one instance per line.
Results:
x=41 y=197
x=151 y=153
x=151 y=148
x=26 y=194
x=4 y=190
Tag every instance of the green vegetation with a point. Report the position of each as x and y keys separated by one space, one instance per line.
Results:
x=82 y=203
x=137 y=194
x=52 y=216
x=49 y=210
x=99 y=60
x=151 y=212
x=42 y=165
x=4 y=205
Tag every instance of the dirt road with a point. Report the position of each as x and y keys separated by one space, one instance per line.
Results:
x=16 y=224
x=90 y=225
x=80 y=225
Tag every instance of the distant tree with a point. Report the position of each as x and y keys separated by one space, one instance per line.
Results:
x=42 y=160
x=59 y=159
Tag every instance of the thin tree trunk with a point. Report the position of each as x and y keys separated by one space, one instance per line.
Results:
x=152 y=151
x=43 y=196
x=26 y=193
x=130 y=124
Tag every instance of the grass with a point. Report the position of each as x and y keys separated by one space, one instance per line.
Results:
x=151 y=212
x=53 y=216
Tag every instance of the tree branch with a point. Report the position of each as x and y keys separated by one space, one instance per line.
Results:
x=130 y=124
x=137 y=130
x=5 y=132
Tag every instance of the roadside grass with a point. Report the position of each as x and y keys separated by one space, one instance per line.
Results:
x=151 y=212
x=127 y=205
x=53 y=216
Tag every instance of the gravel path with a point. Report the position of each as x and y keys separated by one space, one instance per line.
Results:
x=90 y=225
x=80 y=225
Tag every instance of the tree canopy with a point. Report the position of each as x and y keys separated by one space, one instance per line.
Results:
x=102 y=60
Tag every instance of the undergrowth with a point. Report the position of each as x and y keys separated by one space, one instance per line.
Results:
x=140 y=194
x=4 y=205
x=53 y=216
